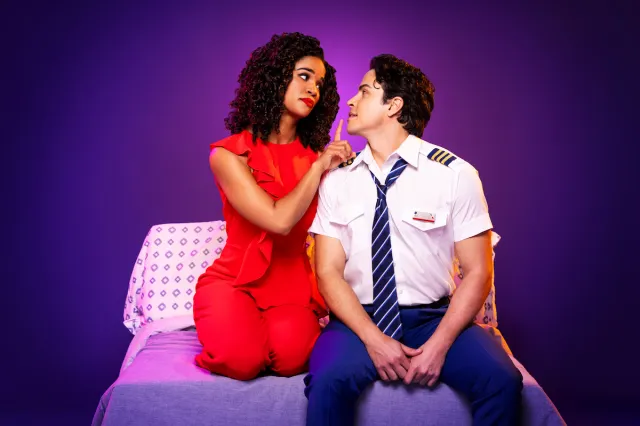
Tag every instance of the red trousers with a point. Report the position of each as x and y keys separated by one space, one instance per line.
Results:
x=240 y=340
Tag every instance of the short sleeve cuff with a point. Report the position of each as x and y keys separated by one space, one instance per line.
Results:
x=318 y=229
x=472 y=228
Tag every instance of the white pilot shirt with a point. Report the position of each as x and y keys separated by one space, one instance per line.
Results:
x=423 y=252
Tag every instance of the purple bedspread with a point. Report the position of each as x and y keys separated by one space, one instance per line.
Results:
x=163 y=386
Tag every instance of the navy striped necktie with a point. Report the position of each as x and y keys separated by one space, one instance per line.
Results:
x=385 y=299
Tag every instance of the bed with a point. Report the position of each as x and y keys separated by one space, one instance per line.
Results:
x=159 y=383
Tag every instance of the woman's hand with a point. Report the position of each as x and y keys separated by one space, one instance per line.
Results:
x=323 y=321
x=336 y=153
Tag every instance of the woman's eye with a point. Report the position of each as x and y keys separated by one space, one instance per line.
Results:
x=305 y=77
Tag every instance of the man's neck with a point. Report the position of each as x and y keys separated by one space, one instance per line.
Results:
x=384 y=143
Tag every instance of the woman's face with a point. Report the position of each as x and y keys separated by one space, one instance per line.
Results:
x=303 y=92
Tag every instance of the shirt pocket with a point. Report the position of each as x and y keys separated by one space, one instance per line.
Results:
x=419 y=229
x=351 y=223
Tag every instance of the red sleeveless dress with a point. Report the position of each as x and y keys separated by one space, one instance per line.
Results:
x=260 y=294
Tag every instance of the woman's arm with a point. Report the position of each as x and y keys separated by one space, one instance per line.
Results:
x=255 y=205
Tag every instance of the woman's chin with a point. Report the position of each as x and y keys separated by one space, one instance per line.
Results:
x=303 y=114
x=299 y=113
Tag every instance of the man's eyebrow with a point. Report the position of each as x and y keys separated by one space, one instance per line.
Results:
x=362 y=86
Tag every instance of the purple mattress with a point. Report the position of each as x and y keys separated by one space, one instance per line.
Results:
x=160 y=384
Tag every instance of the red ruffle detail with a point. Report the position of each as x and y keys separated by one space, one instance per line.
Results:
x=257 y=256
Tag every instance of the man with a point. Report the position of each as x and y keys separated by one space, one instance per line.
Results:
x=388 y=228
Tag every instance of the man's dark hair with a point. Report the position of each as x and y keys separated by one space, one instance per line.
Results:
x=401 y=79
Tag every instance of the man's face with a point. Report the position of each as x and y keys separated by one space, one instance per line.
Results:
x=367 y=113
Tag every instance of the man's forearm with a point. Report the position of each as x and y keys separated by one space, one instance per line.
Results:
x=465 y=304
x=344 y=303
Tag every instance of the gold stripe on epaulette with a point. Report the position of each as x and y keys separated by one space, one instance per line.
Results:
x=441 y=156
x=433 y=153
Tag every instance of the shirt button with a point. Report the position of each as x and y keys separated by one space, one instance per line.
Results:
x=400 y=291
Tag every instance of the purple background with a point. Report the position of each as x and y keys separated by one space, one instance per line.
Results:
x=110 y=111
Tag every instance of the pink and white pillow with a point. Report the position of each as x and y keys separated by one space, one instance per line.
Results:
x=164 y=277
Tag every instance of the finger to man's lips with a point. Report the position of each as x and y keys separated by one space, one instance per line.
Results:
x=338 y=131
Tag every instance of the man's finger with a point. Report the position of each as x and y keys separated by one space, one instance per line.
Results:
x=410 y=375
x=414 y=379
x=406 y=363
x=338 y=131
x=427 y=378
x=383 y=375
x=392 y=374
x=400 y=371
x=410 y=351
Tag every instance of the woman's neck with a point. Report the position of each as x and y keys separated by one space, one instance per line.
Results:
x=287 y=130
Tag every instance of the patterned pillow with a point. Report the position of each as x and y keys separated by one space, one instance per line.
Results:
x=487 y=315
x=164 y=276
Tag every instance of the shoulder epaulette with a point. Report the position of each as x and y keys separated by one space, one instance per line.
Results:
x=349 y=161
x=441 y=156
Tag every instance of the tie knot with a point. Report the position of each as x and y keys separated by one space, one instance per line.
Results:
x=393 y=175
x=382 y=192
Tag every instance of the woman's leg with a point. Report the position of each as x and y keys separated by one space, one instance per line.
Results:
x=231 y=330
x=292 y=331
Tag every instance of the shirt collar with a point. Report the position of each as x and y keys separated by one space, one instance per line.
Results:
x=408 y=151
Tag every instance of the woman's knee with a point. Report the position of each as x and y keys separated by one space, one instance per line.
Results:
x=290 y=354
x=286 y=364
x=232 y=362
x=292 y=333
x=231 y=331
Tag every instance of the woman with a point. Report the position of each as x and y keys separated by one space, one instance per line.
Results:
x=256 y=307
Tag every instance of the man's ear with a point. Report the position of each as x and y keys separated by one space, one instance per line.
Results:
x=395 y=106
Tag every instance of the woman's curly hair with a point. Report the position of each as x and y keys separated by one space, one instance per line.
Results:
x=399 y=78
x=259 y=100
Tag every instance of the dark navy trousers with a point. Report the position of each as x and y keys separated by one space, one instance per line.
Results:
x=340 y=370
